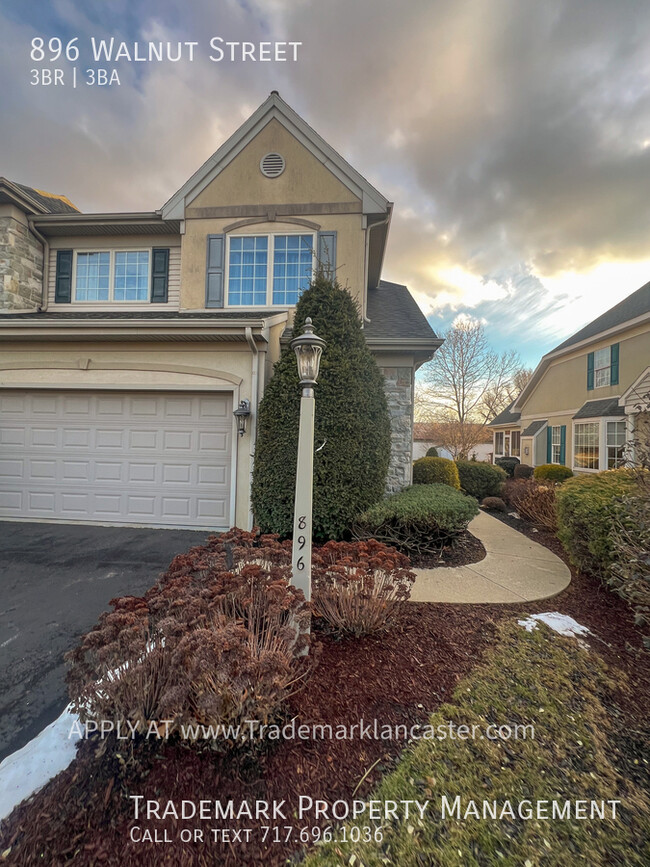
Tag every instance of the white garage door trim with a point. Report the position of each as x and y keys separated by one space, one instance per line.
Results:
x=134 y=458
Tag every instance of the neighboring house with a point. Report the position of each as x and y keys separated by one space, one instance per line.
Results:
x=424 y=438
x=127 y=340
x=581 y=406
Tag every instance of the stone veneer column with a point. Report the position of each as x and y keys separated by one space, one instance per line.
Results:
x=399 y=393
x=21 y=266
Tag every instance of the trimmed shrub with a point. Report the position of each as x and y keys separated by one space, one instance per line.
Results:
x=508 y=464
x=630 y=572
x=432 y=471
x=535 y=501
x=207 y=645
x=419 y=520
x=553 y=472
x=523 y=471
x=587 y=507
x=358 y=587
x=432 y=452
x=479 y=479
x=494 y=504
x=352 y=422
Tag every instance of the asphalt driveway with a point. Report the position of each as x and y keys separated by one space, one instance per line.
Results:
x=55 y=581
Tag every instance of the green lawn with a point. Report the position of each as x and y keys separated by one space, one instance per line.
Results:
x=563 y=690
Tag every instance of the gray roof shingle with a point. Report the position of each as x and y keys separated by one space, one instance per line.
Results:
x=506 y=416
x=52 y=203
x=534 y=428
x=599 y=408
x=634 y=305
x=394 y=313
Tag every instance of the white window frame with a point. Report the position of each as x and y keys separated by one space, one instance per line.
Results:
x=601 y=421
x=269 y=268
x=607 y=368
x=558 y=444
x=607 y=422
x=515 y=454
x=506 y=448
x=112 y=251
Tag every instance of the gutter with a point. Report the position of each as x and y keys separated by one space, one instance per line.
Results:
x=46 y=263
x=369 y=229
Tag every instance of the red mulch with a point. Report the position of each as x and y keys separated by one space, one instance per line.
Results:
x=85 y=814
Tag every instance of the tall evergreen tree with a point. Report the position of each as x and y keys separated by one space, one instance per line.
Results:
x=352 y=422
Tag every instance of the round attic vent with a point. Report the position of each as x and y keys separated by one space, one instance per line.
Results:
x=272 y=165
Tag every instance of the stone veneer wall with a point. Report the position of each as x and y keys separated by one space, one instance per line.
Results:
x=399 y=393
x=21 y=266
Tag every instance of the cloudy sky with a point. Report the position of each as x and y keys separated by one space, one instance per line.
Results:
x=512 y=135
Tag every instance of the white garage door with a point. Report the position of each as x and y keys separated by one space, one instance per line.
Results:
x=116 y=457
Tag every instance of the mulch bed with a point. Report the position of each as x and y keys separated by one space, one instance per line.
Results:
x=466 y=549
x=85 y=813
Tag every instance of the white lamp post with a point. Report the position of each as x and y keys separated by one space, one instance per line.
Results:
x=308 y=348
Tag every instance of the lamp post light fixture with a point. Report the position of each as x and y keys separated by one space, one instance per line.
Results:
x=242 y=413
x=308 y=348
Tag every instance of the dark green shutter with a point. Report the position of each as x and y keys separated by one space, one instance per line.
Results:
x=563 y=445
x=549 y=445
x=590 y=371
x=63 y=285
x=159 y=275
x=614 y=365
x=327 y=253
x=215 y=270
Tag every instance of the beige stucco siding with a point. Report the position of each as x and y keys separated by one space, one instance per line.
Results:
x=304 y=179
x=563 y=386
x=204 y=367
x=112 y=243
x=350 y=250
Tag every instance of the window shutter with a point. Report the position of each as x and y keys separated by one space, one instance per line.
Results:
x=63 y=284
x=563 y=445
x=214 y=272
x=549 y=445
x=590 y=371
x=613 y=379
x=159 y=275
x=327 y=253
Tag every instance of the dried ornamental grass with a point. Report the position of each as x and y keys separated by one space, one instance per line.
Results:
x=359 y=587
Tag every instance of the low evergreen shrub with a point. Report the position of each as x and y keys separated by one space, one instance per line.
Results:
x=587 y=508
x=431 y=471
x=630 y=572
x=494 y=504
x=479 y=479
x=552 y=472
x=432 y=452
x=359 y=587
x=418 y=520
x=523 y=471
x=508 y=464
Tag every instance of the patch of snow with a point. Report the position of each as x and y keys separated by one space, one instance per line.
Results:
x=514 y=515
x=30 y=768
x=560 y=623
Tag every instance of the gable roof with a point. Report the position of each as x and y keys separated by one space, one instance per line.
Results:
x=636 y=307
x=535 y=427
x=275 y=108
x=506 y=416
x=629 y=308
x=34 y=201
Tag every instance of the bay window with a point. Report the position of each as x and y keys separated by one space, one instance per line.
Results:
x=586 y=446
x=615 y=444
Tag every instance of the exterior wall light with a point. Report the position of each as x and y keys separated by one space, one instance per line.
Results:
x=242 y=413
x=308 y=348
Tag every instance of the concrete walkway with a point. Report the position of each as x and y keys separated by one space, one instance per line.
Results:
x=515 y=569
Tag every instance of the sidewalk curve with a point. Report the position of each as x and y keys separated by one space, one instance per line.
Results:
x=515 y=569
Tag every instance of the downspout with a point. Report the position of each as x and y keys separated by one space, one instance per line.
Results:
x=46 y=263
x=367 y=258
x=254 y=395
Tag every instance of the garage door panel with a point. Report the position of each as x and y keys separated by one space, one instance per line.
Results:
x=94 y=460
